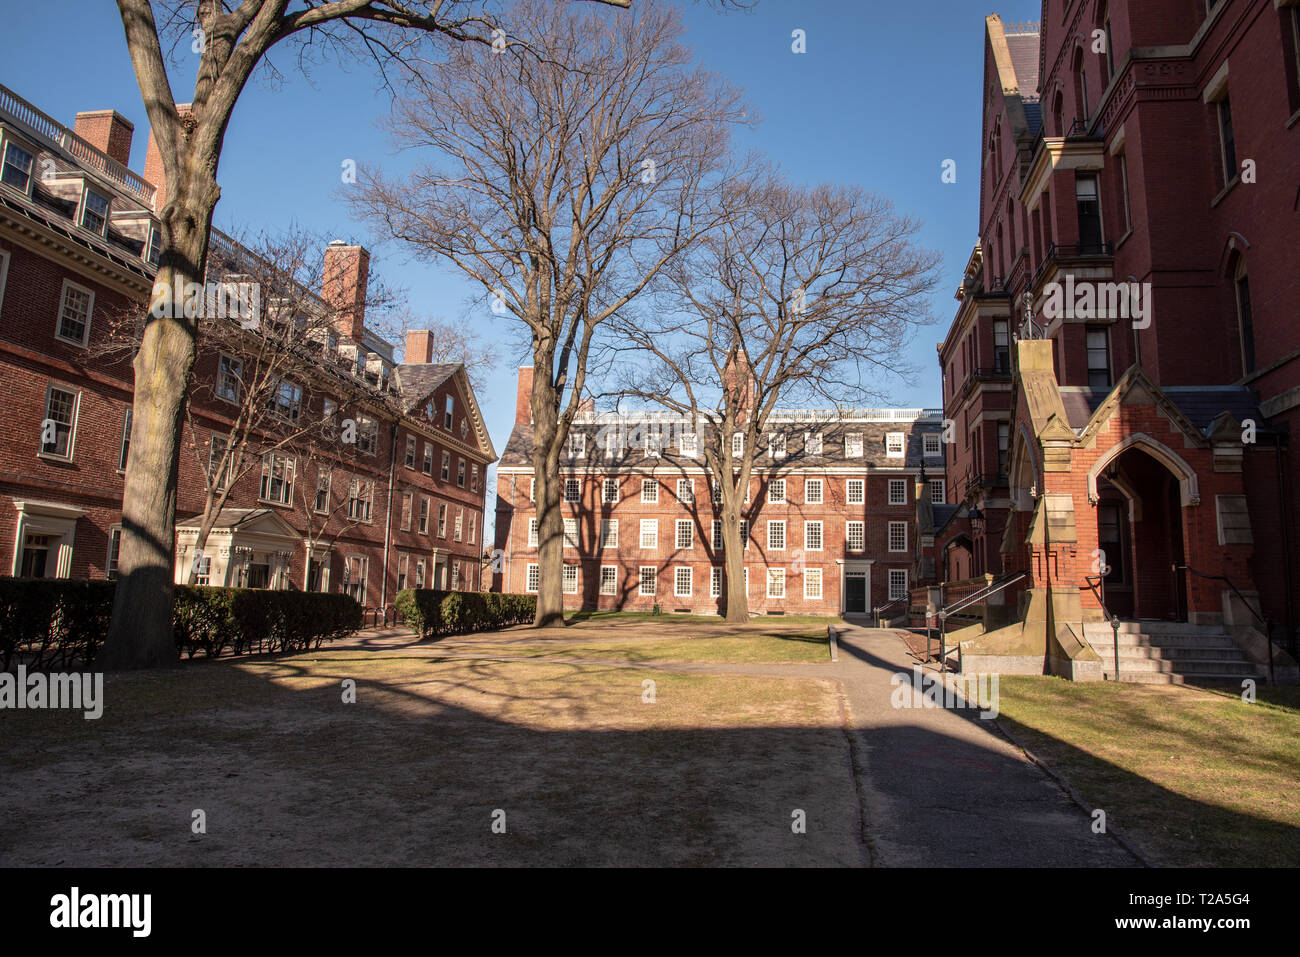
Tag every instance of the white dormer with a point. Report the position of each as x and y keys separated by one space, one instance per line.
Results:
x=895 y=445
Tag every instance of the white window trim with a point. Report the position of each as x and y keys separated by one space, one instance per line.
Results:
x=108 y=554
x=902 y=440
x=532 y=532
x=652 y=524
x=768 y=576
x=773 y=499
x=571 y=533
x=689 y=486
x=611 y=525
x=772 y=522
x=821 y=535
x=808 y=574
x=854 y=439
x=565 y=577
x=890 y=541
x=848 y=495
x=943 y=484
x=848 y=547
x=529 y=571
x=677 y=533
x=605 y=486
x=578 y=497
x=889 y=582
x=72 y=427
x=652 y=486
x=938 y=445
x=90 y=312
x=897 y=483
x=640 y=580
x=715 y=581
x=613 y=585
x=808 y=485
x=690 y=581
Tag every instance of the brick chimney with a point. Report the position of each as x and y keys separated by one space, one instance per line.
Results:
x=343 y=286
x=108 y=131
x=524 y=397
x=153 y=167
x=737 y=378
x=419 y=346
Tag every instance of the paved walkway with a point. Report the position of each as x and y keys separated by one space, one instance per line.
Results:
x=937 y=787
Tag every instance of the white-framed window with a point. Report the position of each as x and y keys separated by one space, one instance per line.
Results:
x=812 y=536
x=776 y=583
x=532 y=488
x=715 y=581
x=653 y=443
x=459 y=527
x=689 y=444
x=229 y=379
x=738 y=443
x=812 y=491
x=609 y=579
x=898 y=536
x=124 y=450
x=76 y=303
x=16 y=170
x=646 y=580
x=609 y=533
x=473 y=528
x=286 y=402
x=776 y=445
x=746 y=579
x=649 y=490
x=427 y=465
x=717 y=534
x=685 y=533
x=114 y=551
x=855 y=536
x=412 y=451
x=744 y=533
x=932 y=448
x=367 y=434
x=204 y=574
x=419 y=573
x=897 y=583
x=532 y=532
x=445 y=471
x=938 y=491
x=898 y=491
x=609 y=491
x=853 y=445
x=570 y=533
x=776 y=492
x=154 y=251
x=855 y=492
x=424 y=515
x=402 y=562
x=460 y=473
x=217 y=446
x=533 y=578
x=277 y=479
x=649 y=533
x=895 y=445
x=812 y=443
x=94 y=212
x=812 y=583
x=325 y=483
x=442 y=519
x=360 y=495
x=448 y=413
x=322 y=484
x=578 y=444
x=570 y=579
x=683 y=581
x=473 y=476
x=715 y=490
x=686 y=491
x=776 y=534
x=572 y=490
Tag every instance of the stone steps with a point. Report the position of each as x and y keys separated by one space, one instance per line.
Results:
x=1170 y=653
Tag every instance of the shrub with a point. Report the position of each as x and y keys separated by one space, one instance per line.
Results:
x=434 y=613
x=52 y=623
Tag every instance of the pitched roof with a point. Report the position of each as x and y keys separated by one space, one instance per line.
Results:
x=1199 y=403
x=415 y=381
x=1023 y=48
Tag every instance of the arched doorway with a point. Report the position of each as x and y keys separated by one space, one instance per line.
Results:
x=1140 y=492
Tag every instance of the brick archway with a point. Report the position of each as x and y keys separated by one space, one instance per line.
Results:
x=1188 y=485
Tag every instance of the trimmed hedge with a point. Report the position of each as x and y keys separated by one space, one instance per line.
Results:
x=52 y=623
x=436 y=613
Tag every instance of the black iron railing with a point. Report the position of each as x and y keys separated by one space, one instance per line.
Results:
x=1096 y=584
x=1267 y=623
x=993 y=588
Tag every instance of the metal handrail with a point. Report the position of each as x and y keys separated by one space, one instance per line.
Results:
x=1266 y=622
x=987 y=591
x=1111 y=618
x=879 y=608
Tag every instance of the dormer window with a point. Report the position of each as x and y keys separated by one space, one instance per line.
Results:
x=16 y=170
x=895 y=443
x=853 y=445
x=931 y=440
x=776 y=445
x=690 y=444
x=577 y=444
x=94 y=212
x=155 y=247
x=738 y=443
x=812 y=443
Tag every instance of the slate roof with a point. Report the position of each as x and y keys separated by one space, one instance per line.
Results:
x=415 y=382
x=1023 y=48
x=1034 y=116
x=1199 y=403
x=519 y=448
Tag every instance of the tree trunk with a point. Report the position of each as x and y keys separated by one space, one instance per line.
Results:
x=550 y=544
x=734 y=561
x=140 y=633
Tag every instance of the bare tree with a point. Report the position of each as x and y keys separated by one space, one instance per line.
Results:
x=799 y=294
x=562 y=182
x=458 y=342
x=231 y=40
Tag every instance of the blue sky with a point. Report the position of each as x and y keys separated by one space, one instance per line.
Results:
x=884 y=94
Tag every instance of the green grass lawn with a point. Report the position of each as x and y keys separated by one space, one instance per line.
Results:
x=1195 y=777
x=804 y=647
x=668 y=616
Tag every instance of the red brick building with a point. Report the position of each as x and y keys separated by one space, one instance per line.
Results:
x=78 y=245
x=1124 y=367
x=832 y=524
